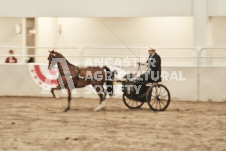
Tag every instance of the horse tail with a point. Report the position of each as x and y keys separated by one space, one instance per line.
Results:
x=109 y=81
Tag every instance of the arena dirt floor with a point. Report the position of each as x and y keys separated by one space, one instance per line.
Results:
x=39 y=124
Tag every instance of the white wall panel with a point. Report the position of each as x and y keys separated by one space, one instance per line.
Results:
x=158 y=31
x=46 y=33
x=216 y=7
x=95 y=8
x=9 y=37
x=212 y=84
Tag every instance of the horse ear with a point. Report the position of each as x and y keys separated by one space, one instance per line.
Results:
x=49 y=51
x=53 y=50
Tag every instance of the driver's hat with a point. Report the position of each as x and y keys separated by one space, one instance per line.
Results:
x=151 y=48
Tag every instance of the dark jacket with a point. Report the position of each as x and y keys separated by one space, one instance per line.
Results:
x=154 y=65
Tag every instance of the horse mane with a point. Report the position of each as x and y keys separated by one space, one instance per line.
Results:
x=59 y=55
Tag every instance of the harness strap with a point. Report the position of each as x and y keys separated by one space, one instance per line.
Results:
x=77 y=77
x=74 y=76
x=78 y=71
x=67 y=75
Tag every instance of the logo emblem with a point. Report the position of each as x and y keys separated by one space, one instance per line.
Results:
x=43 y=77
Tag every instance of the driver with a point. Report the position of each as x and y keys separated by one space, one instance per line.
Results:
x=153 y=73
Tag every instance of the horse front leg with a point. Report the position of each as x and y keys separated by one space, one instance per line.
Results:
x=69 y=100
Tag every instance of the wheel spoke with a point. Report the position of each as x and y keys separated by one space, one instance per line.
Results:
x=156 y=92
x=165 y=96
x=154 y=95
x=154 y=102
x=162 y=102
x=159 y=105
x=165 y=100
x=156 y=106
x=129 y=101
x=160 y=91
x=153 y=91
x=163 y=92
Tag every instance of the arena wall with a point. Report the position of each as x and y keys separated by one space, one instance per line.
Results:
x=16 y=81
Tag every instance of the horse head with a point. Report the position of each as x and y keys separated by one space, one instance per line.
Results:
x=52 y=62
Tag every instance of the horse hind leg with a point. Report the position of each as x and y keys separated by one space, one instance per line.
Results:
x=102 y=96
x=103 y=101
x=52 y=91
x=100 y=104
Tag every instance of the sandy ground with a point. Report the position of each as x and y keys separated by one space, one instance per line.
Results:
x=39 y=124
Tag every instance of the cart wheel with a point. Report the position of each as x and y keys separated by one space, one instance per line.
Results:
x=158 y=97
x=131 y=103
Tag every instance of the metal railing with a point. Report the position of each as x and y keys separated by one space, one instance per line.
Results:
x=21 y=52
x=81 y=53
x=193 y=53
x=203 y=56
x=199 y=55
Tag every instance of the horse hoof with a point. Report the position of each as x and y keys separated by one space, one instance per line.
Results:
x=66 y=109
x=98 y=108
